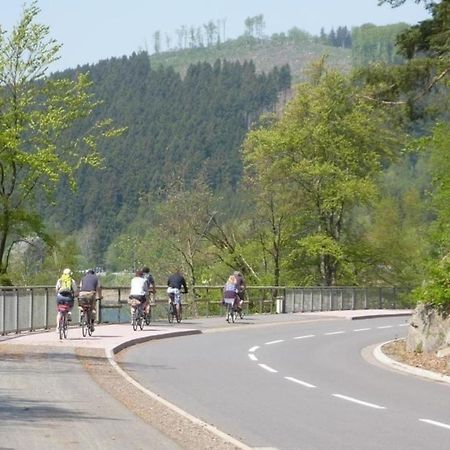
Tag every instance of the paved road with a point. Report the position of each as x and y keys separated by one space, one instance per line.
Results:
x=303 y=385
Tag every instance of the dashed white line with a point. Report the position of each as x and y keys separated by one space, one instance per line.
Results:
x=269 y=369
x=303 y=383
x=403 y=325
x=362 y=329
x=252 y=357
x=331 y=333
x=253 y=349
x=274 y=342
x=359 y=402
x=385 y=326
x=433 y=422
x=306 y=336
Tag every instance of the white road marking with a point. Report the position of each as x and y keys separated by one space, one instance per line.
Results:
x=305 y=337
x=334 y=332
x=360 y=402
x=433 y=422
x=253 y=349
x=269 y=369
x=252 y=357
x=385 y=326
x=303 y=383
x=403 y=324
x=362 y=329
x=274 y=342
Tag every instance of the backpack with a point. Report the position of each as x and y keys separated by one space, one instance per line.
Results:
x=65 y=284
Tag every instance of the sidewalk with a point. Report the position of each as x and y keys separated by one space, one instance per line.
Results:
x=115 y=337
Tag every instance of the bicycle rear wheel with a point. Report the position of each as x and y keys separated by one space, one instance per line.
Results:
x=65 y=326
x=178 y=314
x=84 y=324
x=141 y=319
x=170 y=312
x=90 y=323
x=61 y=326
x=134 y=321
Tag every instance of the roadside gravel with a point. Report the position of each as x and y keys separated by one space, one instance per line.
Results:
x=396 y=350
x=181 y=430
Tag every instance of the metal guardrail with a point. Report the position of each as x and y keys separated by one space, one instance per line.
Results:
x=34 y=307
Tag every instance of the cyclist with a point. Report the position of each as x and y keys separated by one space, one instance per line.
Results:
x=230 y=293
x=150 y=287
x=138 y=291
x=241 y=286
x=65 y=290
x=175 y=282
x=90 y=290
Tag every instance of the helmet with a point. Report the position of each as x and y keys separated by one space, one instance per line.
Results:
x=67 y=272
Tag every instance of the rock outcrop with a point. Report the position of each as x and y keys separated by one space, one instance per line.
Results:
x=429 y=331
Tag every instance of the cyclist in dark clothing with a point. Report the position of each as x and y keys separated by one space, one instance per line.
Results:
x=175 y=282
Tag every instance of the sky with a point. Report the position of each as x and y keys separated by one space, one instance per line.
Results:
x=92 y=30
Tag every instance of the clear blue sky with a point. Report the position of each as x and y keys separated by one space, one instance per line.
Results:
x=91 y=30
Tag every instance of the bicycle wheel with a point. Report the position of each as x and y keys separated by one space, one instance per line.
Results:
x=170 y=312
x=148 y=316
x=134 y=321
x=84 y=324
x=90 y=323
x=65 y=326
x=61 y=326
x=178 y=314
x=141 y=319
x=228 y=313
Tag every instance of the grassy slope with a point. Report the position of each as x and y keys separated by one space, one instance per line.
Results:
x=264 y=53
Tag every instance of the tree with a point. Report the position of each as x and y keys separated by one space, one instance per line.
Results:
x=326 y=152
x=36 y=114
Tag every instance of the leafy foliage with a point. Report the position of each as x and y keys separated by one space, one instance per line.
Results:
x=36 y=116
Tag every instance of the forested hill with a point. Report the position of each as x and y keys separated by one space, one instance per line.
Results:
x=175 y=125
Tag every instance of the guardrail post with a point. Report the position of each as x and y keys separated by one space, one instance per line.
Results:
x=353 y=298
x=3 y=312
x=321 y=299
x=17 y=310
x=380 y=300
x=31 y=309
x=365 y=298
x=46 y=327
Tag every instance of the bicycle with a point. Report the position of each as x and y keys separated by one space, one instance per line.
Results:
x=231 y=313
x=172 y=312
x=138 y=318
x=63 y=324
x=86 y=319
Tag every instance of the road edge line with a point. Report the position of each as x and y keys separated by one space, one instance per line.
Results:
x=110 y=352
x=423 y=373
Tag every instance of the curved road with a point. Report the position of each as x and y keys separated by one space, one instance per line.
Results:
x=303 y=386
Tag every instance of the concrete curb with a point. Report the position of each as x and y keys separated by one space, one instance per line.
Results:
x=375 y=316
x=110 y=355
x=428 y=374
x=142 y=339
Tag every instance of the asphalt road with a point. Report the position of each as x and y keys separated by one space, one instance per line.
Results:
x=297 y=386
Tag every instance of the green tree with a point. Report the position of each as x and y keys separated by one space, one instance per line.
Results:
x=36 y=114
x=324 y=153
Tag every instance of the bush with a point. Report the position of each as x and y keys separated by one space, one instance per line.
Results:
x=436 y=289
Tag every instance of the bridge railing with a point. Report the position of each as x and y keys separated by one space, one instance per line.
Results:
x=33 y=308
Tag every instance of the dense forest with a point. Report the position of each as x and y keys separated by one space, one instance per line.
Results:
x=174 y=127
x=301 y=171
